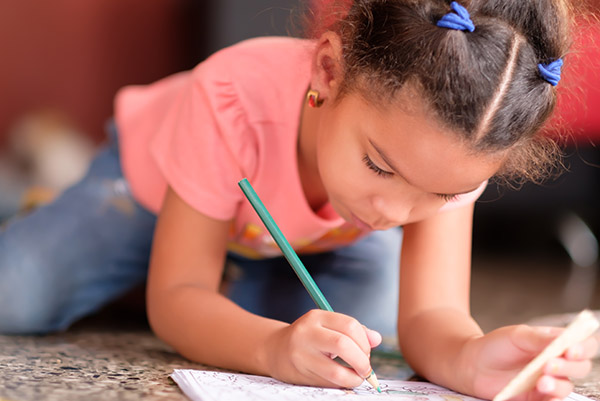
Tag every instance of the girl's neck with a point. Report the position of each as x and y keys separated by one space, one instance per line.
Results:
x=308 y=169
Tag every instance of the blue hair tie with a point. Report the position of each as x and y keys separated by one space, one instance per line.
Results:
x=551 y=72
x=459 y=20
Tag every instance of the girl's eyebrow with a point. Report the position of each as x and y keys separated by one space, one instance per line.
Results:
x=396 y=171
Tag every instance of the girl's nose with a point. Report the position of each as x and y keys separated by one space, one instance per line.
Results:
x=393 y=213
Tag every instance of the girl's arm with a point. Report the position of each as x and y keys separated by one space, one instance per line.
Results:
x=186 y=310
x=440 y=339
x=434 y=319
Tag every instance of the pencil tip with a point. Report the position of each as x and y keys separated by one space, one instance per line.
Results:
x=372 y=379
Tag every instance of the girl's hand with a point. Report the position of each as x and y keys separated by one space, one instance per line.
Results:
x=502 y=353
x=303 y=352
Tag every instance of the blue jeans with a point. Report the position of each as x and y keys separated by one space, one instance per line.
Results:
x=92 y=244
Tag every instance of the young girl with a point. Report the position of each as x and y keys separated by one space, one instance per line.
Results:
x=396 y=115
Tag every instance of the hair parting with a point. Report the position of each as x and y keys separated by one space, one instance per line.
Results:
x=501 y=91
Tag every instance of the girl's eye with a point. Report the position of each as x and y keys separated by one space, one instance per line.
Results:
x=374 y=167
x=448 y=197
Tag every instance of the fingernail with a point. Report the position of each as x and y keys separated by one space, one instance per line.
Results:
x=546 y=385
x=575 y=352
x=547 y=331
x=375 y=334
x=554 y=367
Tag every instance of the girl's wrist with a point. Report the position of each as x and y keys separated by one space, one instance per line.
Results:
x=266 y=353
x=465 y=371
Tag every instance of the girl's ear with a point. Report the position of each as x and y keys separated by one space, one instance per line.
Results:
x=327 y=68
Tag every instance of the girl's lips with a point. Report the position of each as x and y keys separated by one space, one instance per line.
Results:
x=361 y=224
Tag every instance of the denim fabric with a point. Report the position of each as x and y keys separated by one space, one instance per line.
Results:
x=360 y=280
x=67 y=259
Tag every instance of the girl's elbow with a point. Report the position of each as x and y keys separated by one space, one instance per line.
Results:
x=157 y=314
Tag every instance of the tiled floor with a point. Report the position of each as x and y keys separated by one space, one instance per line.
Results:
x=114 y=356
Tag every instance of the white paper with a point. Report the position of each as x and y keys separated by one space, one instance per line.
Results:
x=201 y=385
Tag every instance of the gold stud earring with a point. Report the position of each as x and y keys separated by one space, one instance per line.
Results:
x=313 y=98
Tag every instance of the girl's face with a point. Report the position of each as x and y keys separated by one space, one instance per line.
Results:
x=383 y=167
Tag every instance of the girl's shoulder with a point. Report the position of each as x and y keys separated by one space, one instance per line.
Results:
x=262 y=79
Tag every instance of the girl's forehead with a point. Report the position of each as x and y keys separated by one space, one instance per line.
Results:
x=408 y=101
x=412 y=139
x=410 y=106
x=376 y=93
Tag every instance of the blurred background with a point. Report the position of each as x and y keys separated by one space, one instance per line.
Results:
x=63 y=61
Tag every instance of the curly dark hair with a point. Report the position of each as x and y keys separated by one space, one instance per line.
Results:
x=484 y=84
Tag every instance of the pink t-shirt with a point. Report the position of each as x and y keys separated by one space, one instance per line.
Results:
x=236 y=115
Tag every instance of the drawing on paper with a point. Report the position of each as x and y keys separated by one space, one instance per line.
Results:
x=212 y=386
x=201 y=385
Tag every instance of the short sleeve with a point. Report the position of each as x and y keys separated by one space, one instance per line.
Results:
x=204 y=145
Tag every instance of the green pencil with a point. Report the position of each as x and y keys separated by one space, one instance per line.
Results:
x=292 y=258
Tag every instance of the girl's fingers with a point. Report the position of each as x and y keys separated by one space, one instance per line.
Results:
x=328 y=373
x=554 y=387
x=350 y=327
x=373 y=336
x=343 y=346
x=320 y=370
x=584 y=350
x=565 y=368
x=552 y=331
x=342 y=336
x=533 y=339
